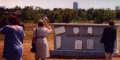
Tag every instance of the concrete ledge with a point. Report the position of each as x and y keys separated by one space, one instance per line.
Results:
x=115 y=54
x=78 y=54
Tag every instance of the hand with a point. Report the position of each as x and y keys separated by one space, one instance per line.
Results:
x=45 y=22
x=45 y=18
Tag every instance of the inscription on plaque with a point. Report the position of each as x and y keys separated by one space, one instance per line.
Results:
x=80 y=40
x=78 y=44
x=90 y=44
x=90 y=30
x=58 y=42
x=60 y=30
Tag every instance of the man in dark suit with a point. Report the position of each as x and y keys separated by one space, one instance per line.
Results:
x=108 y=38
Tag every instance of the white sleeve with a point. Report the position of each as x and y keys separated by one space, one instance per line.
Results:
x=48 y=30
x=34 y=32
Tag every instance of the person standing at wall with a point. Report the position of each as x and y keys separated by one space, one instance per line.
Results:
x=108 y=39
x=13 y=42
x=40 y=40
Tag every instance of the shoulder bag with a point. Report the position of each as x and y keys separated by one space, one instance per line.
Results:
x=33 y=49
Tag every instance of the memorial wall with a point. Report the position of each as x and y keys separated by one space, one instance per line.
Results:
x=80 y=40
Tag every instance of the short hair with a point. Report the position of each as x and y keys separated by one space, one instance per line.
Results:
x=13 y=20
x=111 y=23
x=40 y=23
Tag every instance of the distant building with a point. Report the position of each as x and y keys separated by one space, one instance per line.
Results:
x=32 y=7
x=75 y=5
x=3 y=7
x=37 y=8
x=117 y=8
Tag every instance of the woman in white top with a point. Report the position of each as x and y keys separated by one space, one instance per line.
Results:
x=42 y=50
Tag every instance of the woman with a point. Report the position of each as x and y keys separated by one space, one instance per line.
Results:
x=13 y=43
x=39 y=37
x=108 y=38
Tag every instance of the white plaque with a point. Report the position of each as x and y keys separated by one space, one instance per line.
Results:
x=90 y=44
x=78 y=44
x=59 y=30
x=76 y=30
x=58 y=42
x=90 y=30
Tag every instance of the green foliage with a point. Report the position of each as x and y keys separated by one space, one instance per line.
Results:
x=90 y=14
x=82 y=14
x=117 y=14
x=59 y=15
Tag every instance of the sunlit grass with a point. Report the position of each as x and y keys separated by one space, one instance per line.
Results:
x=1 y=36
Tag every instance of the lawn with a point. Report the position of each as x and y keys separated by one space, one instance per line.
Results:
x=27 y=55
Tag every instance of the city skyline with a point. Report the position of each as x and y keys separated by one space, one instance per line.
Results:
x=51 y=4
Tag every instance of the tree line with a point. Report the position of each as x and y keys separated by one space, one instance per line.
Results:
x=59 y=15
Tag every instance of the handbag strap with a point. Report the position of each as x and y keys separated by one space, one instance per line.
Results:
x=36 y=33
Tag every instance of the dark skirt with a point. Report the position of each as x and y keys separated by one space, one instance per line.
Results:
x=109 y=47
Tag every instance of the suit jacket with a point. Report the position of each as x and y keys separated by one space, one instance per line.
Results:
x=109 y=35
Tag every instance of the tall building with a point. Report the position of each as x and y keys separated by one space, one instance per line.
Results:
x=117 y=8
x=75 y=5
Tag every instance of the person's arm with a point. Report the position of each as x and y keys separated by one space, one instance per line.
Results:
x=33 y=40
x=46 y=24
x=1 y=30
x=4 y=29
x=103 y=37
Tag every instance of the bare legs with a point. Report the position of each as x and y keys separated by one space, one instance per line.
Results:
x=108 y=56
x=111 y=56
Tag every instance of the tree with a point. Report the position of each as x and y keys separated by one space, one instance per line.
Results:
x=52 y=16
x=82 y=14
x=68 y=15
x=117 y=14
x=3 y=17
x=108 y=15
x=28 y=14
x=90 y=14
x=99 y=17
x=2 y=11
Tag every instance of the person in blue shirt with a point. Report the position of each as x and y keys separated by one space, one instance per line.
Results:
x=13 y=40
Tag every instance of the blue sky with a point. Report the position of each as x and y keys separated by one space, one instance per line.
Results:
x=84 y=4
